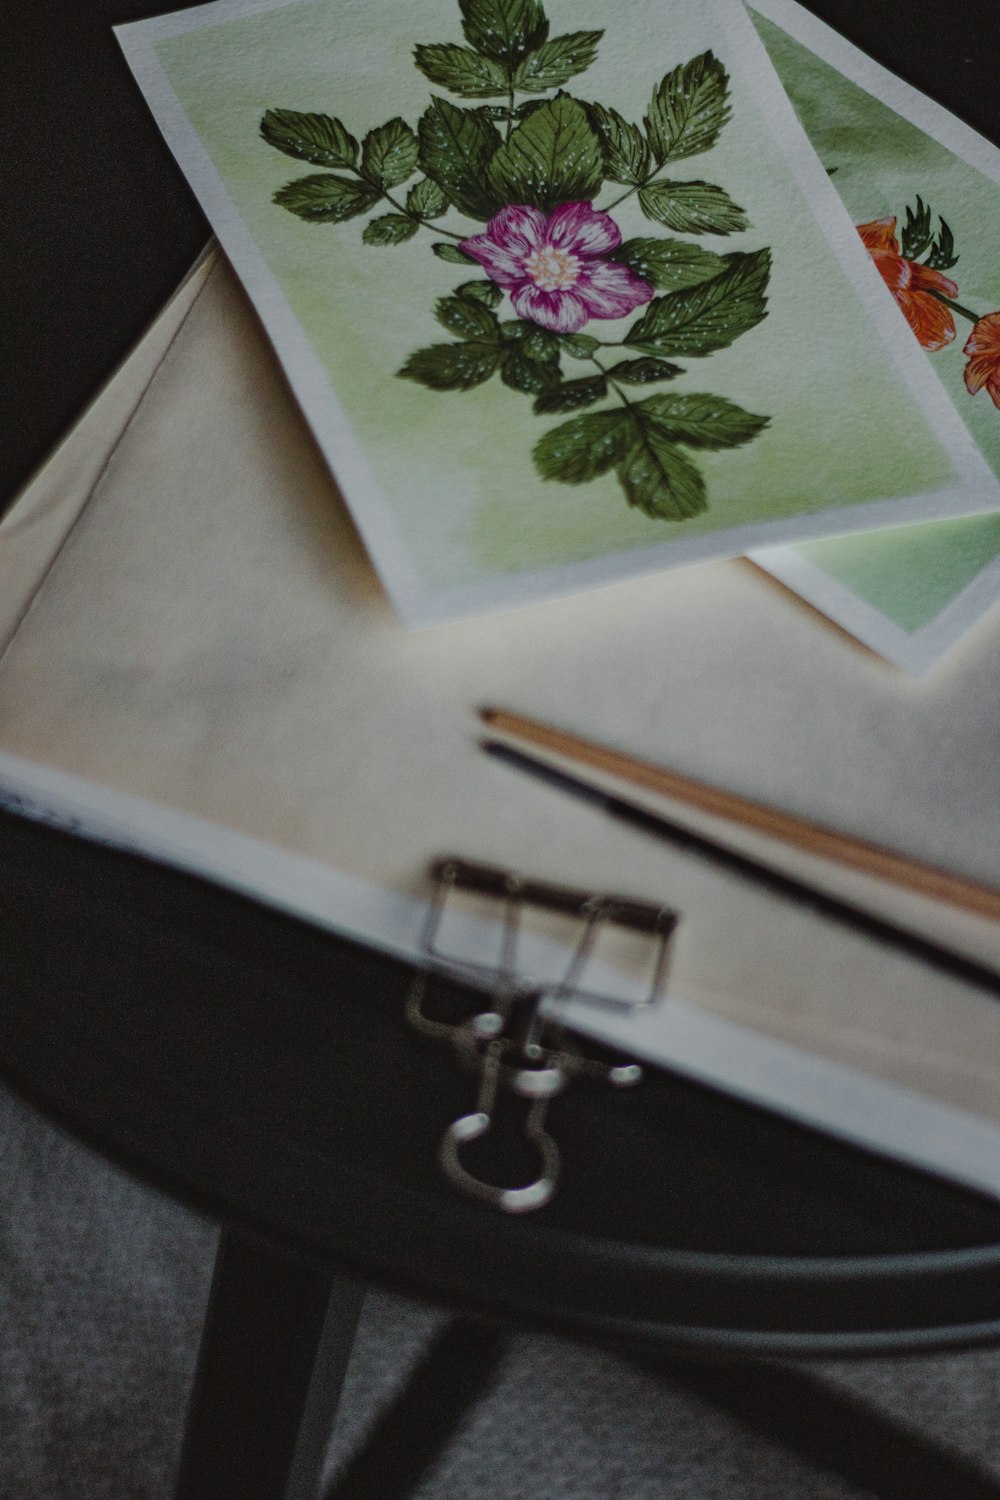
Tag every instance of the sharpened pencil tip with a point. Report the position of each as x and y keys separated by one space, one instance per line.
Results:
x=487 y=712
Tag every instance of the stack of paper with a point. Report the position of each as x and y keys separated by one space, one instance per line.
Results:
x=565 y=302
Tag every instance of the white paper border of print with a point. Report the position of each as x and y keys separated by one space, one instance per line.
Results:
x=916 y=650
x=976 y=488
x=841 y=1100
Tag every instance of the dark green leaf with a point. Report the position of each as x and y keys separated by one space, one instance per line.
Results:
x=456 y=146
x=481 y=291
x=659 y=480
x=469 y=319
x=319 y=139
x=389 y=154
x=692 y=207
x=669 y=264
x=493 y=111
x=626 y=152
x=461 y=70
x=688 y=109
x=529 y=375
x=578 y=345
x=942 y=256
x=709 y=316
x=390 y=229
x=444 y=251
x=586 y=446
x=451 y=367
x=916 y=236
x=503 y=29
x=702 y=421
x=426 y=200
x=555 y=61
x=326 y=199
x=643 y=371
x=527 y=108
x=536 y=343
x=540 y=344
x=552 y=157
x=571 y=394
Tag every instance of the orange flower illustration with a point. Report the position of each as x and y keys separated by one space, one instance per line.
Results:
x=983 y=349
x=912 y=284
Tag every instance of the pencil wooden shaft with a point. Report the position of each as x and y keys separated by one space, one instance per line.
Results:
x=946 y=960
x=884 y=864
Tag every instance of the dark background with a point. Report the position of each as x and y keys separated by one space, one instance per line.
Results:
x=99 y=226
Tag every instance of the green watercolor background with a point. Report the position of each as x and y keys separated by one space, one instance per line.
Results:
x=456 y=468
x=882 y=162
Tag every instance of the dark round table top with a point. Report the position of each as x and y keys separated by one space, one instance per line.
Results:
x=262 y=1069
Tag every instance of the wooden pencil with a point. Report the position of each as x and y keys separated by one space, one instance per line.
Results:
x=884 y=864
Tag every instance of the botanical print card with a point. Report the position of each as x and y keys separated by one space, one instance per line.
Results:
x=564 y=293
x=924 y=191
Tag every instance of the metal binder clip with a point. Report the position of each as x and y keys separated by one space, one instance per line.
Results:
x=512 y=1045
x=538 y=1085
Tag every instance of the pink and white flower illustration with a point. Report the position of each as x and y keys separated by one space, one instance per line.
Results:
x=553 y=265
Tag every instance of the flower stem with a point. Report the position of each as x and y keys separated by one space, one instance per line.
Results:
x=613 y=384
x=424 y=223
x=956 y=307
x=634 y=189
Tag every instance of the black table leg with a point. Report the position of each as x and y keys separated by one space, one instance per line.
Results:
x=277 y=1339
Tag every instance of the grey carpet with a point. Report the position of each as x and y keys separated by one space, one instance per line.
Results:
x=102 y=1290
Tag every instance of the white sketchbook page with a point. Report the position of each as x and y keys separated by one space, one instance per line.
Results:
x=211 y=644
x=448 y=534
x=913 y=649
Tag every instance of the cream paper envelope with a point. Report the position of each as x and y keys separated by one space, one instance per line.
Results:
x=543 y=346
x=204 y=665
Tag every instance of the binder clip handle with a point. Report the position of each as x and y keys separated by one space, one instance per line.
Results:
x=512 y=1200
x=547 y=1081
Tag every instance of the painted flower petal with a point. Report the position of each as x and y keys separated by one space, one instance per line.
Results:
x=508 y=240
x=926 y=279
x=880 y=234
x=610 y=290
x=518 y=228
x=503 y=266
x=892 y=269
x=983 y=349
x=985 y=337
x=583 y=229
x=978 y=372
x=550 y=266
x=912 y=285
x=560 y=312
x=930 y=320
